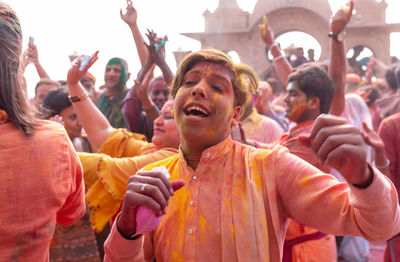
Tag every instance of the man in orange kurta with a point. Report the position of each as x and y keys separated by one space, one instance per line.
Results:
x=237 y=199
x=307 y=97
x=235 y=205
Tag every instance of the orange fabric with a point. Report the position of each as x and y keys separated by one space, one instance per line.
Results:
x=352 y=77
x=107 y=173
x=389 y=131
x=235 y=205
x=261 y=128
x=323 y=249
x=40 y=184
x=297 y=146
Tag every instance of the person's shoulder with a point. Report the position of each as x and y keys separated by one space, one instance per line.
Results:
x=263 y=152
x=392 y=118
x=50 y=126
x=50 y=130
x=270 y=122
x=389 y=123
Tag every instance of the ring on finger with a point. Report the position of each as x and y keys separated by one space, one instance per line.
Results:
x=143 y=187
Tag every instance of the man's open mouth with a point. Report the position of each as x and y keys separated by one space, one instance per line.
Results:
x=196 y=111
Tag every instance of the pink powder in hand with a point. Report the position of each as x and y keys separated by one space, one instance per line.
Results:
x=146 y=219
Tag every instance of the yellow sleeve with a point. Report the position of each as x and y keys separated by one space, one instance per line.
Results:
x=110 y=176
x=122 y=143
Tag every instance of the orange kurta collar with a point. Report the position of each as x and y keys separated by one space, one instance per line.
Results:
x=215 y=151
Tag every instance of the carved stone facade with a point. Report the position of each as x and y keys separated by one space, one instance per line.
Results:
x=231 y=28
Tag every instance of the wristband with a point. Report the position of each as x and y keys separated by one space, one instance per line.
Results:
x=274 y=44
x=79 y=98
x=277 y=58
x=385 y=166
x=370 y=179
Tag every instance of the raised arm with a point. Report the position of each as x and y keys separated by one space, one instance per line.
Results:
x=93 y=121
x=33 y=56
x=158 y=55
x=130 y=18
x=136 y=99
x=280 y=62
x=337 y=67
x=372 y=139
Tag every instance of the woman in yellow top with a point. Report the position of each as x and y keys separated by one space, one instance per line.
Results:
x=121 y=153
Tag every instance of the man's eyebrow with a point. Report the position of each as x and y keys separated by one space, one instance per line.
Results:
x=196 y=72
x=219 y=76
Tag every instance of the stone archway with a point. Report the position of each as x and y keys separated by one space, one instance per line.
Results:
x=287 y=20
x=230 y=28
x=244 y=37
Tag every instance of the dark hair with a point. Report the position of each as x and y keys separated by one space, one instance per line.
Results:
x=373 y=96
x=238 y=73
x=12 y=99
x=55 y=102
x=390 y=77
x=46 y=81
x=313 y=80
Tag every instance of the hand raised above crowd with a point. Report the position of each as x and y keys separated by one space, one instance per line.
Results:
x=33 y=55
x=130 y=16
x=30 y=55
x=141 y=88
x=371 y=138
x=266 y=33
x=157 y=55
x=341 y=18
x=76 y=72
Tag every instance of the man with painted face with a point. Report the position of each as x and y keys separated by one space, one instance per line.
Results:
x=237 y=199
x=309 y=94
x=110 y=101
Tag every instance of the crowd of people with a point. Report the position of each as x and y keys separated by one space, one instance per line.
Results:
x=212 y=163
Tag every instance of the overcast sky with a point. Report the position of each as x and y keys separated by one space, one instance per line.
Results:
x=62 y=27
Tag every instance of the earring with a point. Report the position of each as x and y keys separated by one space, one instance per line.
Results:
x=172 y=112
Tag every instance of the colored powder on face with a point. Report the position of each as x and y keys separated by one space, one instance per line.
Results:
x=208 y=70
x=214 y=99
x=211 y=133
x=122 y=76
x=298 y=107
